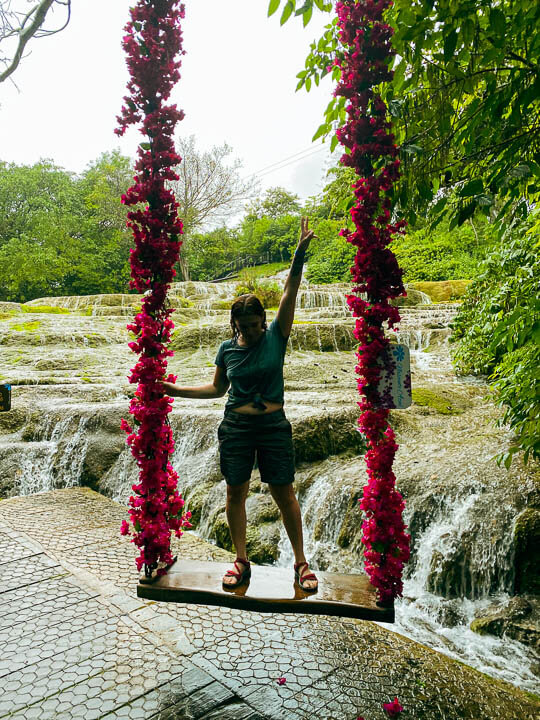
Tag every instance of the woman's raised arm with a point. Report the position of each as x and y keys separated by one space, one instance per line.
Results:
x=285 y=314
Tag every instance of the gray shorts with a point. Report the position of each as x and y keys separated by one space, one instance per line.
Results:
x=268 y=438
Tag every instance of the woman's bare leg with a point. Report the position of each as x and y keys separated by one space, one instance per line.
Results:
x=287 y=502
x=236 y=517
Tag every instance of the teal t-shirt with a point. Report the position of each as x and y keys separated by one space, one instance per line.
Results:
x=255 y=372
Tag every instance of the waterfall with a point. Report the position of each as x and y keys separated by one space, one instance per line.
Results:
x=69 y=378
x=55 y=459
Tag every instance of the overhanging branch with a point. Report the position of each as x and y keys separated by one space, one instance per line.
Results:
x=30 y=27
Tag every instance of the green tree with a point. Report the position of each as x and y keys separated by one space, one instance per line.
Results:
x=208 y=253
x=330 y=256
x=464 y=101
x=209 y=190
x=63 y=235
x=39 y=217
x=104 y=239
x=276 y=202
x=497 y=332
x=444 y=254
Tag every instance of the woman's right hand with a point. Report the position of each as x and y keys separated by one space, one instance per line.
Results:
x=167 y=388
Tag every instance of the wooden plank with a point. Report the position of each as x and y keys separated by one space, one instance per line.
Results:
x=269 y=589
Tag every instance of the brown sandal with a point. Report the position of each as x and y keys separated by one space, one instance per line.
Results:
x=300 y=579
x=240 y=575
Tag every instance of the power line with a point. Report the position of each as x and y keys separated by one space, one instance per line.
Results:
x=300 y=152
x=281 y=164
x=291 y=162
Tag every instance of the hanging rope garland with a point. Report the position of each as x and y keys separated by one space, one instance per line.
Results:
x=371 y=151
x=153 y=45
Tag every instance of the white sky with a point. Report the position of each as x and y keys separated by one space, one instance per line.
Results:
x=238 y=86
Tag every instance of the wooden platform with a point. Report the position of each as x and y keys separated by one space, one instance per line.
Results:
x=270 y=589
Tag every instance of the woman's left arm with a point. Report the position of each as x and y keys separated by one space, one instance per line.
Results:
x=285 y=313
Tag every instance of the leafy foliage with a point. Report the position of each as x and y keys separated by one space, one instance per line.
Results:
x=61 y=234
x=497 y=333
x=464 y=101
x=444 y=254
x=268 y=292
x=330 y=256
x=207 y=253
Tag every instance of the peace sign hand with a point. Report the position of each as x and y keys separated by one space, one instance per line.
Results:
x=306 y=235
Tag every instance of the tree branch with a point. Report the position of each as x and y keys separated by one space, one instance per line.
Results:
x=36 y=17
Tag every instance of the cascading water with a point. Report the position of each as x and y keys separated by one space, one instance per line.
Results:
x=462 y=527
x=55 y=458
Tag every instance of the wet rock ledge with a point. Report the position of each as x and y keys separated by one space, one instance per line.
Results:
x=75 y=641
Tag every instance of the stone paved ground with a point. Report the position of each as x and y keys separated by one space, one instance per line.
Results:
x=76 y=642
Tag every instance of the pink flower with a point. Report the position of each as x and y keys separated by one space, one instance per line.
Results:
x=124 y=528
x=281 y=681
x=393 y=708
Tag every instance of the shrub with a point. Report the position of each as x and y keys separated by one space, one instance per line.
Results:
x=497 y=333
x=329 y=256
x=268 y=292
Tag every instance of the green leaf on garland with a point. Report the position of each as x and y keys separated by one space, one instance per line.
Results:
x=145 y=146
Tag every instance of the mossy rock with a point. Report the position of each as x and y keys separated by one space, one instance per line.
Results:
x=52 y=309
x=352 y=522
x=261 y=541
x=412 y=298
x=517 y=618
x=220 y=531
x=12 y=420
x=320 y=436
x=27 y=326
x=191 y=338
x=527 y=557
x=179 y=301
x=324 y=337
x=222 y=304
x=9 y=308
x=195 y=501
x=440 y=401
x=442 y=290
x=261 y=508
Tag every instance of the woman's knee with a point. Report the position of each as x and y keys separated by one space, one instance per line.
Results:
x=283 y=494
x=237 y=493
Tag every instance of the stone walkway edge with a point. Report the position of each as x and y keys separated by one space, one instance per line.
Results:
x=76 y=642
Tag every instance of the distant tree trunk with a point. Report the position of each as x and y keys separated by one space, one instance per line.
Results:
x=183 y=266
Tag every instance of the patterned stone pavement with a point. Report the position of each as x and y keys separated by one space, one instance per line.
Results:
x=76 y=642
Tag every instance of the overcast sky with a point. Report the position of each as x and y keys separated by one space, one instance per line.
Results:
x=238 y=86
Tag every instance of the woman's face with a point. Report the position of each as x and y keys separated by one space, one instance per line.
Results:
x=250 y=327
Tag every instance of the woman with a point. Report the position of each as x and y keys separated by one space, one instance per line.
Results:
x=251 y=365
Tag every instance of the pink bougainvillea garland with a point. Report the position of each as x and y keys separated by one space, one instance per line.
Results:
x=153 y=45
x=371 y=151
